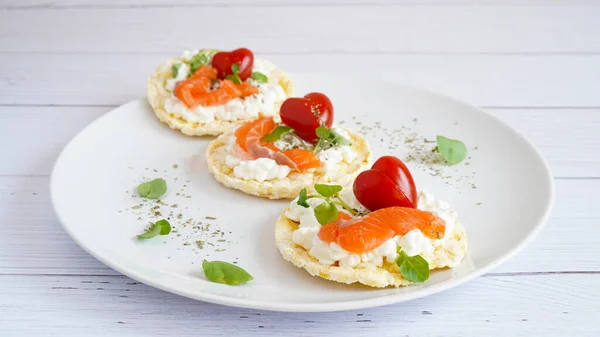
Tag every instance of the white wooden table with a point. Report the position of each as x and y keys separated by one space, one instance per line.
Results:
x=535 y=64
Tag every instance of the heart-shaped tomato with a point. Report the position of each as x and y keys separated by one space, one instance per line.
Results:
x=306 y=114
x=388 y=183
x=243 y=57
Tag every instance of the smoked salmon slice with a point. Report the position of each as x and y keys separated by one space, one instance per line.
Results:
x=343 y=216
x=251 y=132
x=205 y=71
x=195 y=86
x=371 y=231
x=248 y=137
x=303 y=159
x=227 y=91
x=196 y=90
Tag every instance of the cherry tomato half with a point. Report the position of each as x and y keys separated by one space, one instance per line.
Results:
x=306 y=114
x=243 y=57
x=388 y=183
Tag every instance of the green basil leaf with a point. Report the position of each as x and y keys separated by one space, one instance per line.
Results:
x=454 y=151
x=197 y=61
x=323 y=132
x=277 y=133
x=235 y=78
x=259 y=77
x=175 y=69
x=413 y=268
x=224 y=272
x=161 y=227
x=151 y=232
x=326 y=212
x=153 y=189
x=201 y=58
x=235 y=68
x=328 y=190
x=165 y=226
x=302 y=198
x=338 y=139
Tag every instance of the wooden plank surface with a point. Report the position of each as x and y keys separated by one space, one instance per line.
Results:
x=36 y=4
x=555 y=305
x=483 y=80
x=415 y=29
x=535 y=64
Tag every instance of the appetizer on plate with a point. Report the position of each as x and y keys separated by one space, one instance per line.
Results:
x=379 y=233
x=277 y=160
x=208 y=92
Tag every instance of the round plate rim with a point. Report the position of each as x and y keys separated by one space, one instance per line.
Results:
x=329 y=306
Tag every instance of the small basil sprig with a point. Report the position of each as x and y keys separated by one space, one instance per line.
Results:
x=329 y=138
x=153 y=189
x=338 y=139
x=302 y=198
x=328 y=190
x=235 y=77
x=161 y=227
x=326 y=211
x=175 y=69
x=197 y=61
x=200 y=59
x=225 y=273
x=454 y=151
x=277 y=133
x=413 y=268
x=323 y=133
x=259 y=77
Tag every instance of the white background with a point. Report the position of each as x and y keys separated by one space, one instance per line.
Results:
x=535 y=64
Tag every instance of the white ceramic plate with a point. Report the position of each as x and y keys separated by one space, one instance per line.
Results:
x=503 y=197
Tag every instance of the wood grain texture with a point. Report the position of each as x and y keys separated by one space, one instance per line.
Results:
x=416 y=29
x=36 y=4
x=87 y=56
x=550 y=305
x=483 y=80
x=38 y=245
x=567 y=138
